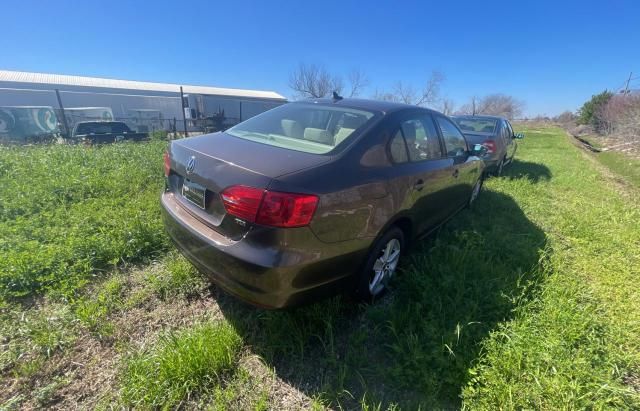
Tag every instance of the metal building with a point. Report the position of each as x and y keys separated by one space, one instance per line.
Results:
x=144 y=106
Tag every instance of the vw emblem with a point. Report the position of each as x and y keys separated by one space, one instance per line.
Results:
x=191 y=164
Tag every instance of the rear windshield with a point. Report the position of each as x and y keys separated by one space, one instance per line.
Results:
x=102 y=128
x=483 y=125
x=310 y=128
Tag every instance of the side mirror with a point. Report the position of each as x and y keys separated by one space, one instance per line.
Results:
x=518 y=136
x=479 y=150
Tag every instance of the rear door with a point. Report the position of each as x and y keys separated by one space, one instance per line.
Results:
x=416 y=150
x=462 y=172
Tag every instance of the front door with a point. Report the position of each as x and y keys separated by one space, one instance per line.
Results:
x=511 y=143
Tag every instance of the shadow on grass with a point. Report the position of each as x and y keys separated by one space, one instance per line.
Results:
x=416 y=345
x=534 y=172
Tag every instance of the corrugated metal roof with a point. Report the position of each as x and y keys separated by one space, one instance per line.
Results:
x=60 y=79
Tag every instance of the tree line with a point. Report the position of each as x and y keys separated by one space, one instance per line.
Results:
x=315 y=81
x=612 y=113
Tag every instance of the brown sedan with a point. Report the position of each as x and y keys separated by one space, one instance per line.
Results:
x=317 y=197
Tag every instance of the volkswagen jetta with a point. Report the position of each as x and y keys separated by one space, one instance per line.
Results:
x=316 y=197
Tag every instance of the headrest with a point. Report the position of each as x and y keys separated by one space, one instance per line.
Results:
x=352 y=121
x=291 y=128
x=318 y=135
x=409 y=131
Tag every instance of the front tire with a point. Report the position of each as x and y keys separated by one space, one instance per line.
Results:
x=475 y=192
x=500 y=167
x=381 y=265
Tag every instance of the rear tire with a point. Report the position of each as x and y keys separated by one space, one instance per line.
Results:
x=380 y=266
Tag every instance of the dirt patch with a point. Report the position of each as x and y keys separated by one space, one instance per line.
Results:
x=633 y=380
x=85 y=374
x=282 y=395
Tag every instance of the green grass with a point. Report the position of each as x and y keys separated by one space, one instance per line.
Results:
x=178 y=279
x=626 y=167
x=621 y=164
x=70 y=212
x=572 y=345
x=181 y=365
x=93 y=310
x=529 y=300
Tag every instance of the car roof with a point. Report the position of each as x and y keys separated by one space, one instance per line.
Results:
x=480 y=117
x=363 y=104
x=99 y=122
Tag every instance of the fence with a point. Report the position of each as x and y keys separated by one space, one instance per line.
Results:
x=24 y=125
x=41 y=115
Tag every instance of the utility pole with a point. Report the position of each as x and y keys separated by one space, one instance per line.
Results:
x=67 y=132
x=184 y=115
x=626 y=87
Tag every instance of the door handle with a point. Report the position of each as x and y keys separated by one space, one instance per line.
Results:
x=418 y=185
x=456 y=172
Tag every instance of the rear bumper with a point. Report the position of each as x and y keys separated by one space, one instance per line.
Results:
x=269 y=267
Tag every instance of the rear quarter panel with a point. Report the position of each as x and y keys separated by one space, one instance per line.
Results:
x=355 y=198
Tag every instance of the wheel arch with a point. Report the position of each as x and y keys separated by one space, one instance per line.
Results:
x=405 y=223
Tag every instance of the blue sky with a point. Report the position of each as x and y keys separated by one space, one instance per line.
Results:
x=551 y=54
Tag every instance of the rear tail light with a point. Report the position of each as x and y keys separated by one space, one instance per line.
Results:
x=167 y=163
x=242 y=201
x=286 y=209
x=270 y=208
x=490 y=145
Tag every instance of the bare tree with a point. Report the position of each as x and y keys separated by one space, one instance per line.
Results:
x=357 y=81
x=494 y=104
x=404 y=94
x=470 y=108
x=315 y=81
x=408 y=94
x=501 y=105
x=566 y=117
x=431 y=90
x=446 y=106
x=620 y=116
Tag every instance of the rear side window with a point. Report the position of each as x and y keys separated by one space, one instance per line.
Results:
x=454 y=142
x=397 y=149
x=421 y=138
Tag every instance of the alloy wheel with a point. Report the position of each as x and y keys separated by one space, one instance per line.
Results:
x=384 y=266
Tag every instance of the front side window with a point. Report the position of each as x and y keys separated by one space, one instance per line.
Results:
x=311 y=128
x=421 y=137
x=509 y=129
x=505 y=132
x=454 y=142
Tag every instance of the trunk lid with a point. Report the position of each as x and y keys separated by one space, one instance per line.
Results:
x=202 y=167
